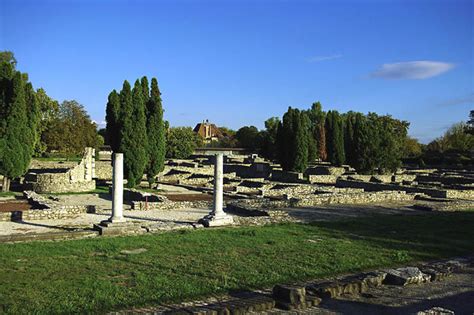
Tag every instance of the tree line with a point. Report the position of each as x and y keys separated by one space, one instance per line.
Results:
x=368 y=142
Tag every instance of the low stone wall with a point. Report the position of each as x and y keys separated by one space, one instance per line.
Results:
x=288 y=177
x=58 y=183
x=322 y=179
x=368 y=186
x=325 y=170
x=46 y=209
x=64 y=212
x=381 y=178
x=103 y=170
x=460 y=194
x=75 y=179
x=359 y=198
x=398 y=178
x=447 y=180
x=137 y=195
x=170 y=205
x=313 y=200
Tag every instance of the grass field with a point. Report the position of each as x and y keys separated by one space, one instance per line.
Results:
x=98 y=190
x=93 y=275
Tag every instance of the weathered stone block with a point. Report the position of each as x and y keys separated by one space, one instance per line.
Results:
x=289 y=294
x=405 y=276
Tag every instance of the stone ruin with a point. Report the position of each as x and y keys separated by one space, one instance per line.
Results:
x=252 y=183
x=44 y=177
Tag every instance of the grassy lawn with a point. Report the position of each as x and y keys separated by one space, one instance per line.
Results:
x=59 y=159
x=97 y=190
x=9 y=194
x=85 y=276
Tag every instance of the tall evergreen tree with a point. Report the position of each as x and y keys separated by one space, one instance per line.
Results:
x=349 y=120
x=335 y=138
x=156 y=133
x=145 y=90
x=133 y=142
x=18 y=123
x=113 y=119
x=286 y=139
x=302 y=142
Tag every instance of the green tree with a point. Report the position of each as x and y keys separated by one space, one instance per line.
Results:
x=293 y=136
x=349 y=121
x=71 y=130
x=49 y=109
x=145 y=89
x=269 y=138
x=335 y=138
x=412 y=148
x=302 y=142
x=228 y=139
x=133 y=133
x=8 y=57
x=18 y=122
x=181 y=142
x=249 y=137
x=155 y=132
x=114 y=120
x=286 y=139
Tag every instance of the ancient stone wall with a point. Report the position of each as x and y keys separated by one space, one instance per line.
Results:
x=313 y=200
x=103 y=170
x=322 y=179
x=44 y=209
x=371 y=187
x=288 y=177
x=170 y=205
x=76 y=179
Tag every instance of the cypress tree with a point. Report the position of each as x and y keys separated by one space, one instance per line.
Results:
x=301 y=142
x=286 y=140
x=335 y=138
x=133 y=142
x=145 y=90
x=361 y=151
x=113 y=118
x=17 y=137
x=349 y=120
x=155 y=132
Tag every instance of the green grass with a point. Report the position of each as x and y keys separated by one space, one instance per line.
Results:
x=91 y=275
x=59 y=159
x=98 y=190
x=9 y=194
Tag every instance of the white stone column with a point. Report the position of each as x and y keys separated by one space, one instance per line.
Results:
x=117 y=189
x=218 y=185
x=218 y=217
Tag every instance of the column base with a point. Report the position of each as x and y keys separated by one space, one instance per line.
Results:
x=115 y=227
x=216 y=220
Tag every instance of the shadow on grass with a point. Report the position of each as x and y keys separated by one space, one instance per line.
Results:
x=441 y=233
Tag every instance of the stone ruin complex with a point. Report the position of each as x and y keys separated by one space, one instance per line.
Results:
x=252 y=187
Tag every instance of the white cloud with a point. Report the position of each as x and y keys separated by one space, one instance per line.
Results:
x=417 y=70
x=324 y=58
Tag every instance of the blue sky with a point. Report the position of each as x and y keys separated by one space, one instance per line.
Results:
x=240 y=62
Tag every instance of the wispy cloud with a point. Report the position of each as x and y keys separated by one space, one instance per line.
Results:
x=414 y=70
x=469 y=99
x=324 y=58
